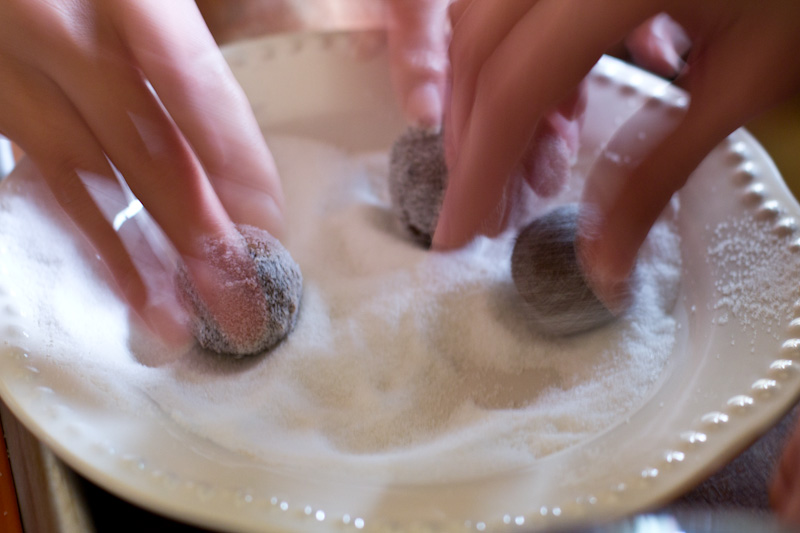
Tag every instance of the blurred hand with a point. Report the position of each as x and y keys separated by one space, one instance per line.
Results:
x=76 y=98
x=418 y=33
x=514 y=61
x=784 y=492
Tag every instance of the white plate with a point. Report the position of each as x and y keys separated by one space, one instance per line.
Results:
x=733 y=373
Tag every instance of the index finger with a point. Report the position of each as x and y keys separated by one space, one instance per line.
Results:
x=198 y=89
x=542 y=59
x=418 y=37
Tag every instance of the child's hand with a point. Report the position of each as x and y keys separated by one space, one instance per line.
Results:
x=76 y=98
x=512 y=62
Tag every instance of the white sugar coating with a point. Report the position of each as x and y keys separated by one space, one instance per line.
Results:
x=752 y=269
x=404 y=364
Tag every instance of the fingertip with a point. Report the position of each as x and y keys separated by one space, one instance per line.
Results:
x=460 y=221
x=451 y=230
x=219 y=284
x=418 y=43
x=442 y=239
x=424 y=107
x=658 y=45
x=547 y=163
x=606 y=260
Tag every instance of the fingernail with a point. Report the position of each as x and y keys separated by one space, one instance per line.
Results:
x=251 y=206
x=670 y=56
x=424 y=107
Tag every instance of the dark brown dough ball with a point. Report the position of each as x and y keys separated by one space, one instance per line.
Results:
x=546 y=273
x=417 y=180
x=281 y=283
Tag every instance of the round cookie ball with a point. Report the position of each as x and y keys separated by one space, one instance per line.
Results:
x=417 y=180
x=546 y=273
x=281 y=283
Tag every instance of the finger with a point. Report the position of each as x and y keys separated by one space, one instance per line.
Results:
x=158 y=164
x=138 y=137
x=196 y=86
x=553 y=151
x=625 y=202
x=790 y=511
x=547 y=161
x=659 y=45
x=481 y=28
x=781 y=485
x=62 y=155
x=418 y=40
x=216 y=119
x=787 y=472
x=645 y=162
x=512 y=94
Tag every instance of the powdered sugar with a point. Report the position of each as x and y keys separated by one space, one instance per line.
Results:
x=404 y=364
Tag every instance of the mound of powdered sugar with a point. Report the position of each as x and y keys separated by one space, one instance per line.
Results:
x=404 y=364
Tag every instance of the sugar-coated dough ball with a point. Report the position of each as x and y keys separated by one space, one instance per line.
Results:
x=280 y=280
x=417 y=180
x=546 y=273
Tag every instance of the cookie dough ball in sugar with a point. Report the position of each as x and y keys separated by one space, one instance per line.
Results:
x=548 y=277
x=280 y=283
x=417 y=180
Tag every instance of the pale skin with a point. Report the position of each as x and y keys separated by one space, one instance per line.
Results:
x=514 y=61
x=75 y=98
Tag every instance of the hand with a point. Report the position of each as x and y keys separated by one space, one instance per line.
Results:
x=418 y=41
x=418 y=33
x=784 y=493
x=514 y=61
x=75 y=97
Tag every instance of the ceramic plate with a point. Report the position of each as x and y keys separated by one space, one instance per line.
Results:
x=732 y=374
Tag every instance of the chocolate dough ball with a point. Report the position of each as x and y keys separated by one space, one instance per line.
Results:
x=546 y=273
x=417 y=180
x=280 y=280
